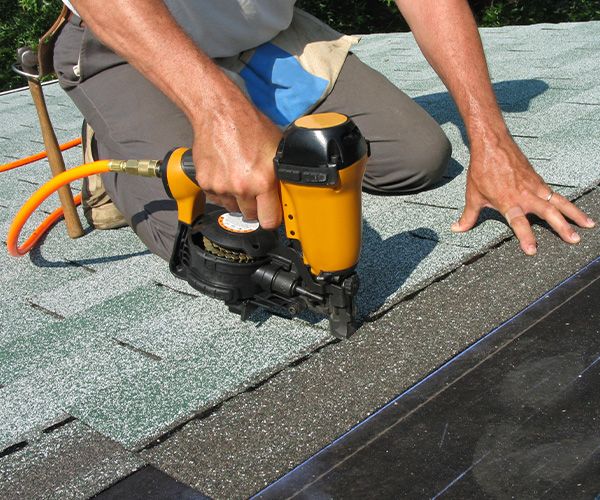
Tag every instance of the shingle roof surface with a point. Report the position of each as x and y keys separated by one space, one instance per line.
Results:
x=96 y=328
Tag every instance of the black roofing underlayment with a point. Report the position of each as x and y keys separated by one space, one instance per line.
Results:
x=515 y=415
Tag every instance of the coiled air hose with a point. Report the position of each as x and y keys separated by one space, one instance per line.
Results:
x=36 y=200
x=146 y=168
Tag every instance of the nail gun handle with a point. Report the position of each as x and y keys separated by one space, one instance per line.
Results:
x=179 y=179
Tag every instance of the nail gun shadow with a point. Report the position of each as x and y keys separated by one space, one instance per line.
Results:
x=385 y=265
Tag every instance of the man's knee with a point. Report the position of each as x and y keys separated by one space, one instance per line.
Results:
x=403 y=172
x=433 y=163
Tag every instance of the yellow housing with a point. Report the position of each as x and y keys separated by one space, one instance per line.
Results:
x=327 y=220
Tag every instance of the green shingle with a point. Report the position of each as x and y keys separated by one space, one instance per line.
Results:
x=132 y=358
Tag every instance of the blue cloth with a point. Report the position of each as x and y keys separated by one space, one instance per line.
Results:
x=279 y=86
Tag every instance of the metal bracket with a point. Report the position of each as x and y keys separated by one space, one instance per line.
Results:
x=19 y=71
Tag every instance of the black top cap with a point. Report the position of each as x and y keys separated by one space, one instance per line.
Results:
x=315 y=147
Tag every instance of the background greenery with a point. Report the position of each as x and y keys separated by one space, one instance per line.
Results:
x=23 y=21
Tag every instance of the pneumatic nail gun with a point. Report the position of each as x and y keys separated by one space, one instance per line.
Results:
x=320 y=164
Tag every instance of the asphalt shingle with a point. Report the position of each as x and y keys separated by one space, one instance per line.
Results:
x=71 y=461
x=97 y=327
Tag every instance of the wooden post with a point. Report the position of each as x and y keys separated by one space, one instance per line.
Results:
x=55 y=158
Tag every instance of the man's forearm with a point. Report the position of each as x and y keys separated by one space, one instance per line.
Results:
x=447 y=35
x=499 y=175
x=234 y=143
x=147 y=36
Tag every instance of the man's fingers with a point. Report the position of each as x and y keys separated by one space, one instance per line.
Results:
x=248 y=208
x=227 y=202
x=467 y=219
x=569 y=209
x=269 y=209
x=522 y=229
x=554 y=217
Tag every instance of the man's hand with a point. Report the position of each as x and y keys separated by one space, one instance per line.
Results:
x=499 y=174
x=233 y=154
x=501 y=177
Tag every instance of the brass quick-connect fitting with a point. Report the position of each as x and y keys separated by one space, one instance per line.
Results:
x=145 y=168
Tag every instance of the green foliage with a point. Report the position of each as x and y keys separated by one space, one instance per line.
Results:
x=362 y=16
x=501 y=13
x=22 y=22
x=378 y=16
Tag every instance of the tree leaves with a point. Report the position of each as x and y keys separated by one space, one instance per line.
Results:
x=22 y=22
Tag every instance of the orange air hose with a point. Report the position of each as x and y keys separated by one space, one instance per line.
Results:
x=38 y=197
x=39 y=156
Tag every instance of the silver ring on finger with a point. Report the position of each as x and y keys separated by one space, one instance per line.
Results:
x=549 y=197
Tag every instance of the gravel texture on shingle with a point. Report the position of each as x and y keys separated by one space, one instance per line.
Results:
x=72 y=461
x=98 y=328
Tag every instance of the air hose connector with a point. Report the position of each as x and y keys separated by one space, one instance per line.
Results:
x=144 y=168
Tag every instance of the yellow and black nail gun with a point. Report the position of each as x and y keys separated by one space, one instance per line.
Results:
x=320 y=164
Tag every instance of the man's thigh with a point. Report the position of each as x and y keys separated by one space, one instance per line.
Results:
x=409 y=150
x=131 y=119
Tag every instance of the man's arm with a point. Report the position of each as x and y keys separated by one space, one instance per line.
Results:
x=499 y=175
x=234 y=143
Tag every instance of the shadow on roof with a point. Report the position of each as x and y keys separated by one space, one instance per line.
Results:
x=514 y=96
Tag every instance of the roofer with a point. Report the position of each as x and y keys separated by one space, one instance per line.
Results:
x=224 y=76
